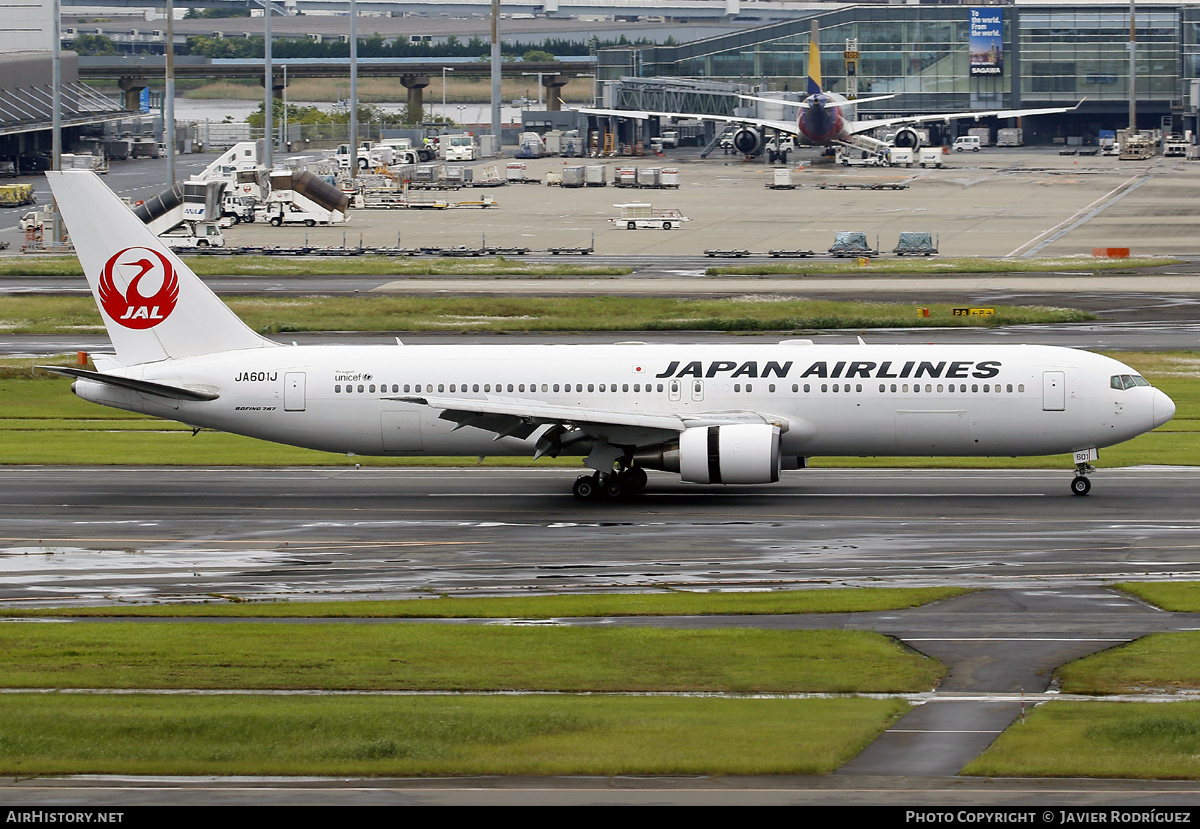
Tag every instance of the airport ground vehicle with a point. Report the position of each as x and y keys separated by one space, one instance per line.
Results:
x=459 y=147
x=194 y=235
x=300 y=197
x=717 y=413
x=643 y=216
x=966 y=142
x=238 y=208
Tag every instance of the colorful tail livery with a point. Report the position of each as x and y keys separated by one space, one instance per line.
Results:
x=814 y=61
x=153 y=306
x=711 y=413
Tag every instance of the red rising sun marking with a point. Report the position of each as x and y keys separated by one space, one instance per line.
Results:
x=131 y=309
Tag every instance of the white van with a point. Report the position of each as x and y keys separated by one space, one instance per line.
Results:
x=966 y=142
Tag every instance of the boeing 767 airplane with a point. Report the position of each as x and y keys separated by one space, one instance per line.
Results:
x=717 y=413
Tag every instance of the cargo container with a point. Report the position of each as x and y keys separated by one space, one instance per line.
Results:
x=648 y=177
x=1010 y=137
x=932 y=156
x=515 y=172
x=983 y=133
x=596 y=175
x=780 y=179
x=573 y=177
x=625 y=177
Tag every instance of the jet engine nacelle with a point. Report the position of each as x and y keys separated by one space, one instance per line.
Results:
x=747 y=141
x=909 y=138
x=740 y=453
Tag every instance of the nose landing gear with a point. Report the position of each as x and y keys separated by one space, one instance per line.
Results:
x=1080 y=485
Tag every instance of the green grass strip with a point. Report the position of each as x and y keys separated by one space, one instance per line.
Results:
x=371 y=265
x=373 y=736
x=507 y=314
x=1099 y=739
x=418 y=657
x=1163 y=662
x=1177 y=597
x=837 y=600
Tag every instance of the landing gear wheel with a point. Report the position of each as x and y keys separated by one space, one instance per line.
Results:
x=1080 y=485
x=612 y=487
x=634 y=479
x=585 y=488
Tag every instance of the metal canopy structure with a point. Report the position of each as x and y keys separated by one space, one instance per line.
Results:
x=31 y=109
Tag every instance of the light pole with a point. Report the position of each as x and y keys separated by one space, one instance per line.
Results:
x=1132 y=68
x=445 y=69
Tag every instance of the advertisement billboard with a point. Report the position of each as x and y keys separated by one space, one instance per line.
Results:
x=987 y=41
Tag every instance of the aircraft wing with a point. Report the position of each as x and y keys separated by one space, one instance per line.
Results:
x=788 y=127
x=856 y=127
x=520 y=418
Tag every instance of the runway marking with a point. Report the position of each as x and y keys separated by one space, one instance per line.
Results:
x=1017 y=639
x=1083 y=215
x=943 y=731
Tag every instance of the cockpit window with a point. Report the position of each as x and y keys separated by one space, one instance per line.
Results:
x=1127 y=381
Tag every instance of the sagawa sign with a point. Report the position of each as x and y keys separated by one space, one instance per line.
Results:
x=986 y=42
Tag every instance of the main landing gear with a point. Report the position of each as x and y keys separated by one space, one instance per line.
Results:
x=610 y=486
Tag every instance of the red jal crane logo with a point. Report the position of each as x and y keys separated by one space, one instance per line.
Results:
x=132 y=308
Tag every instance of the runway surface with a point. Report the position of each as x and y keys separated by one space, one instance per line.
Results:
x=105 y=534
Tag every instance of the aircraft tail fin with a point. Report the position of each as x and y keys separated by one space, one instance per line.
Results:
x=154 y=307
x=814 y=61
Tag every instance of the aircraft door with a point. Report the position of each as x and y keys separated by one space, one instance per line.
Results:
x=1054 y=391
x=293 y=391
x=697 y=390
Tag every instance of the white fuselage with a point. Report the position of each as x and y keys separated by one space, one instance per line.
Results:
x=856 y=400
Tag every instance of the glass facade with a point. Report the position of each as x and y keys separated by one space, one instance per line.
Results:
x=1067 y=54
x=1052 y=55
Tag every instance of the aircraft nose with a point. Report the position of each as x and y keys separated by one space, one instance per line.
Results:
x=1164 y=408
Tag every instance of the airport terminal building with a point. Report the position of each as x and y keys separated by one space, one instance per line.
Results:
x=943 y=58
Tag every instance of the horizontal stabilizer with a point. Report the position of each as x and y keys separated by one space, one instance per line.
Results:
x=142 y=386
